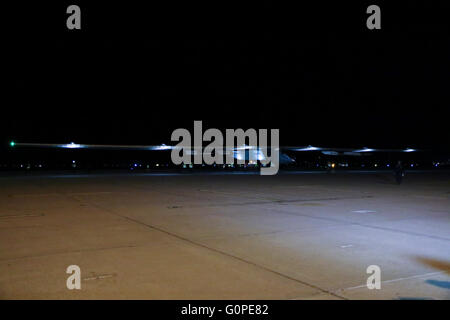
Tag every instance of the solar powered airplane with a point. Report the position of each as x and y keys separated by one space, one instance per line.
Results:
x=240 y=152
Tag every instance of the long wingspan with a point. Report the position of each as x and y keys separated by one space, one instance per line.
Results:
x=330 y=151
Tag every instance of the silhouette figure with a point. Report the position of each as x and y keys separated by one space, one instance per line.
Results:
x=399 y=172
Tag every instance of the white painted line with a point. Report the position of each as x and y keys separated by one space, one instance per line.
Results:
x=396 y=280
x=347 y=246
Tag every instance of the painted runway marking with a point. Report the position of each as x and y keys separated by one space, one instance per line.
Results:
x=417 y=276
x=362 y=225
x=198 y=244
x=347 y=246
x=364 y=211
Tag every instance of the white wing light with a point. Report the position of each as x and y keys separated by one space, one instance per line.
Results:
x=72 y=145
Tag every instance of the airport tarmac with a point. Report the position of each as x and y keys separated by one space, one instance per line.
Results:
x=231 y=236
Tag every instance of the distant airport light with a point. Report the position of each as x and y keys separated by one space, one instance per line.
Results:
x=333 y=165
x=410 y=150
x=12 y=143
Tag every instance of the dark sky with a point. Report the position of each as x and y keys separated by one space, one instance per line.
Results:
x=134 y=73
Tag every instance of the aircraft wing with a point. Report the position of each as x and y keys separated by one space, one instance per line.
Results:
x=162 y=147
x=344 y=151
x=73 y=145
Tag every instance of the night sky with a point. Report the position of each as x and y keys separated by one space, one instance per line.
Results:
x=134 y=73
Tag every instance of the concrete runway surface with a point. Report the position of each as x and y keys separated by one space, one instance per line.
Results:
x=290 y=236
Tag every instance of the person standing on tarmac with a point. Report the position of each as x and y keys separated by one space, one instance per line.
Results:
x=399 y=172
